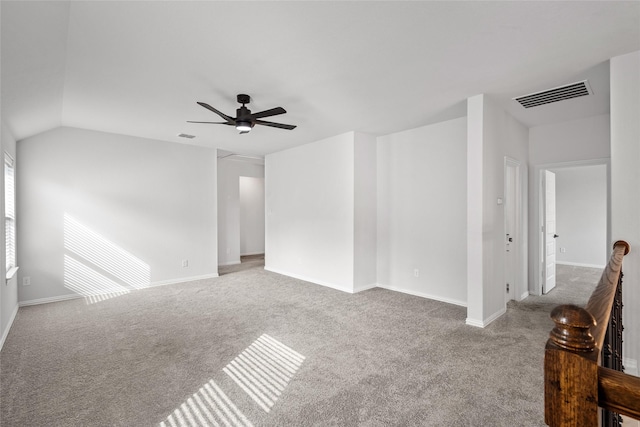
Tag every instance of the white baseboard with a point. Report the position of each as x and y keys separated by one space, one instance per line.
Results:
x=523 y=296
x=474 y=322
x=311 y=280
x=223 y=264
x=5 y=333
x=424 y=295
x=59 y=298
x=182 y=280
x=365 y=287
x=47 y=300
x=484 y=323
x=580 y=264
x=494 y=316
x=357 y=289
x=252 y=253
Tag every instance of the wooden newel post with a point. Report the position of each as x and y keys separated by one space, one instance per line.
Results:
x=571 y=369
x=573 y=328
x=584 y=382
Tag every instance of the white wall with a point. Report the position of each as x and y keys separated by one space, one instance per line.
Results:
x=625 y=182
x=475 y=218
x=365 y=217
x=493 y=134
x=581 y=215
x=251 y=215
x=310 y=212
x=507 y=137
x=85 y=196
x=422 y=211
x=229 y=172
x=8 y=289
x=584 y=140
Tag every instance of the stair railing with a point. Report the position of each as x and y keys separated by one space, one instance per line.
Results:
x=584 y=380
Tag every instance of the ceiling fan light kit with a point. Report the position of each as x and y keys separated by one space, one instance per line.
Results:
x=245 y=120
x=243 y=126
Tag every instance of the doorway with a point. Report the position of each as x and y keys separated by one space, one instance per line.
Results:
x=548 y=229
x=252 y=219
x=240 y=207
x=515 y=273
x=574 y=230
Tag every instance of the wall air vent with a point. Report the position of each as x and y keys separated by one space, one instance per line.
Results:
x=186 y=135
x=573 y=90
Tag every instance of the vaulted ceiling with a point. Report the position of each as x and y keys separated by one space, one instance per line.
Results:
x=138 y=68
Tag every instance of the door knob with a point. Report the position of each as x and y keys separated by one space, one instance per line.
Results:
x=555 y=236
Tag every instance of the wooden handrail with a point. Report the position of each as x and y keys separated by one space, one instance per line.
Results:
x=619 y=392
x=601 y=299
x=576 y=383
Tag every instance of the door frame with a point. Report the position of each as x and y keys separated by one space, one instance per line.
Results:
x=546 y=176
x=535 y=234
x=517 y=291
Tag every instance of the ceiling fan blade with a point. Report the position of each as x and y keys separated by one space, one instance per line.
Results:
x=267 y=113
x=210 y=108
x=275 y=125
x=211 y=123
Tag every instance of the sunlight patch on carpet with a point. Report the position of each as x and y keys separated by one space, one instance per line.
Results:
x=264 y=369
x=209 y=406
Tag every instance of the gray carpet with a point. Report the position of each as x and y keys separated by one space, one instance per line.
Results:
x=256 y=348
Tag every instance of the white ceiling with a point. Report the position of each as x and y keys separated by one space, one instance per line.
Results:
x=138 y=68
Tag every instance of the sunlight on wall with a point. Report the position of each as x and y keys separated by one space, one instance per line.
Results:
x=104 y=254
x=209 y=406
x=97 y=268
x=85 y=281
x=264 y=369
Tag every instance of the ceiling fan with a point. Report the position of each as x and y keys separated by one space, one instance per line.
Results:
x=244 y=120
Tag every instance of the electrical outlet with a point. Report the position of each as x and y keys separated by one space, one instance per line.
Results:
x=416 y=273
x=563 y=250
x=26 y=281
x=185 y=263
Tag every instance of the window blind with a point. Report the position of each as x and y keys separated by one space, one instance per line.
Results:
x=9 y=212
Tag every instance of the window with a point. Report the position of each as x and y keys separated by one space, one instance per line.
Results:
x=9 y=215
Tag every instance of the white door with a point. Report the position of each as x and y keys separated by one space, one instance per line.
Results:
x=549 y=232
x=510 y=228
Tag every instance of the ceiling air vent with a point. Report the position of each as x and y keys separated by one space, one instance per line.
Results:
x=186 y=135
x=573 y=90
